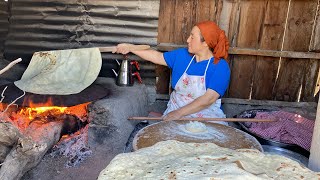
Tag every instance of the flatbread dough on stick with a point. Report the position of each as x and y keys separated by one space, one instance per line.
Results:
x=61 y=72
x=178 y=160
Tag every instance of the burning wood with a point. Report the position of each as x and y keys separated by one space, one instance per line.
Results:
x=26 y=136
x=30 y=133
x=30 y=149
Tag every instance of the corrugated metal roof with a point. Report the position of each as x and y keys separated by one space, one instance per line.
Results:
x=4 y=23
x=37 y=25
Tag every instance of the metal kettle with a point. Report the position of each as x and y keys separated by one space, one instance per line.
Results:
x=125 y=75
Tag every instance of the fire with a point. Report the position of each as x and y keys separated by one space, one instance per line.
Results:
x=45 y=109
x=21 y=117
x=36 y=109
x=33 y=112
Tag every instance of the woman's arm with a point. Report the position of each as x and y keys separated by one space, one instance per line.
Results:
x=197 y=105
x=149 y=55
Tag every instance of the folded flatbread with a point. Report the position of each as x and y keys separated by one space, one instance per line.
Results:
x=61 y=72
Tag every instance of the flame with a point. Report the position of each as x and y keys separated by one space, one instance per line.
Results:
x=35 y=109
x=43 y=109
x=33 y=112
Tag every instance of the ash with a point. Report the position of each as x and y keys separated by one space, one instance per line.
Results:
x=74 y=147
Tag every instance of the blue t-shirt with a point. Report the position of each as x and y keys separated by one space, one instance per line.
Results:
x=217 y=77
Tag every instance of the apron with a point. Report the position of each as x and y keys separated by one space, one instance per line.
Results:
x=189 y=88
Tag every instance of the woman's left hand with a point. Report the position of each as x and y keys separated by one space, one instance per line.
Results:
x=123 y=48
x=173 y=115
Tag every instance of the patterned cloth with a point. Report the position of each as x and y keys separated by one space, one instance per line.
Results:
x=288 y=128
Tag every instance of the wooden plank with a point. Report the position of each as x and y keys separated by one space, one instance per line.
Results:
x=185 y=14
x=254 y=102
x=207 y=10
x=254 y=52
x=232 y=32
x=272 y=34
x=300 y=25
x=315 y=44
x=229 y=22
x=289 y=81
x=226 y=16
x=165 y=22
x=165 y=35
x=298 y=36
x=251 y=16
x=269 y=103
x=314 y=159
x=310 y=81
x=264 y=77
x=274 y=53
x=241 y=76
x=310 y=86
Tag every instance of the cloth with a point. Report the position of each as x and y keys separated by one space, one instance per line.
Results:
x=61 y=72
x=217 y=76
x=215 y=38
x=289 y=128
x=190 y=87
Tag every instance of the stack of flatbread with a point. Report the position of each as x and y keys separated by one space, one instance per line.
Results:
x=178 y=160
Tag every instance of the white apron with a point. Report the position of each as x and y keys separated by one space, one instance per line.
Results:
x=189 y=88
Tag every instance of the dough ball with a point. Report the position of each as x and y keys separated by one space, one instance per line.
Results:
x=196 y=127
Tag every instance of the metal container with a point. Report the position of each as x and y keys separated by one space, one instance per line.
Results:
x=287 y=153
x=125 y=75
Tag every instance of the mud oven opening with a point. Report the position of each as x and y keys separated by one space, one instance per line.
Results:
x=80 y=127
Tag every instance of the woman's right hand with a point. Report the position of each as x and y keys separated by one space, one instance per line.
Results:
x=123 y=48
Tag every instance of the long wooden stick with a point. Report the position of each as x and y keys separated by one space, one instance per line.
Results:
x=205 y=119
x=131 y=47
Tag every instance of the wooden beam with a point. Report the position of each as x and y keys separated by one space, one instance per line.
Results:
x=271 y=53
x=254 y=52
x=269 y=103
x=257 y=102
x=169 y=46
x=314 y=159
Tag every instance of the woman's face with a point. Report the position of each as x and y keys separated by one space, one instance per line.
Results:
x=194 y=41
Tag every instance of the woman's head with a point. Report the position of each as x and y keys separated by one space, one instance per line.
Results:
x=214 y=39
x=196 y=42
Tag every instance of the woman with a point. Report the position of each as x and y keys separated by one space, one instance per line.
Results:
x=200 y=73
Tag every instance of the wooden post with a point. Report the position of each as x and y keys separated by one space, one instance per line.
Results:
x=314 y=159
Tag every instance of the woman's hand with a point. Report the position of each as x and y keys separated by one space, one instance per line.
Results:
x=123 y=48
x=173 y=115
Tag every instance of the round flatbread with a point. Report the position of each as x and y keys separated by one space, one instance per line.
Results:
x=61 y=72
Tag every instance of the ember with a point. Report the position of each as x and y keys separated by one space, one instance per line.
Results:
x=32 y=113
x=39 y=127
x=46 y=112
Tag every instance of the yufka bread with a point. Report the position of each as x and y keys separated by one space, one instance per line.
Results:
x=179 y=160
x=61 y=72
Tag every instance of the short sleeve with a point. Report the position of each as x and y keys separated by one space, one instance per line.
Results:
x=171 y=56
x=220 y=78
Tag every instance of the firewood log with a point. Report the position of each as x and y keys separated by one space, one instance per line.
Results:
x=9 y=136
x=30 y=149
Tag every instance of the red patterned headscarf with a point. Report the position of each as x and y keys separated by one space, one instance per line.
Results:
x=215 y=38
